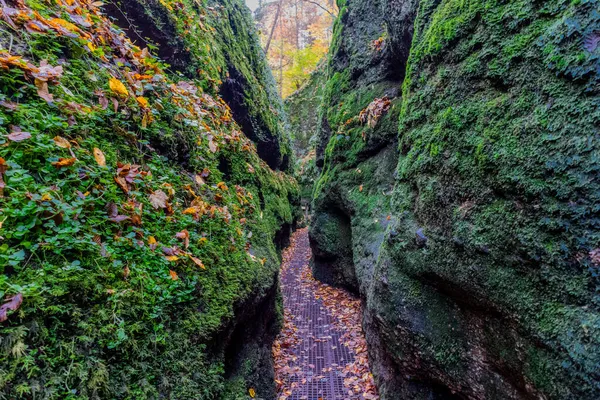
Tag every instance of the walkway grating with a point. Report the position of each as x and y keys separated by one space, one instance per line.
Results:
x=315 y=356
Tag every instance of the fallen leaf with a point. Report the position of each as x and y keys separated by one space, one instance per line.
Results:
x=142 y=101
x=9 y=105
x=185 y=236
x=99 y=156
x=62 y=142
x=197 y=261
x=252 y=393
x=117 y=87
x=119 y=218
x=360 y=188
x=212 y=146
x=17 y=135
x=13 y=303
x=126 y=272
x=122 y=183
x=199 y=180
x=43 y=92
x=158 y=199
x=64 y=162
x=173 y=274
x=222 y=186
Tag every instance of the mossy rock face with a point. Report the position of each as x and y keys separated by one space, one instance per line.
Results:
x=302 y=109
x=216 y=42
x=137 y=221
x=485 y=284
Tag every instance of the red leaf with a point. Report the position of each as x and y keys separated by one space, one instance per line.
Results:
x=13 y=303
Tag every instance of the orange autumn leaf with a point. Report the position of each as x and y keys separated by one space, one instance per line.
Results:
x=117 y=87
x=65 y=24
x=171 y=258
x=360 y=188
x=64 y=162
x=99 y=156
x=191 y=211
x=62 y=142
x=142 y=101
x=173 y=274
x=222 y=186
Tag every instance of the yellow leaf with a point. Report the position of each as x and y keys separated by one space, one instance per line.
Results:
x=62 y=142
x=46 y=197
x=173 y=274
x=252 y=393
x=117 y=87
x=142 y=101
x=222 y=186
x=54 y=22
x=91 y=46
x=190 y=211
x=172 y=258
x=152 y=240
x=99 y=156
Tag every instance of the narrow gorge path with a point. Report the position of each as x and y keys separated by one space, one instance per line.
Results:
x=321 y=352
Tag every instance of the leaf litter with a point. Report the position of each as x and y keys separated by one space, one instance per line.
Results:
x=309 y=362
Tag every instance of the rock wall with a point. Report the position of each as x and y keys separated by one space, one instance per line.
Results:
x=472 y=201
x=217 y=43
x=141 y=209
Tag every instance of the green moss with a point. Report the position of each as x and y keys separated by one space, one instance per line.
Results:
x=102 y=316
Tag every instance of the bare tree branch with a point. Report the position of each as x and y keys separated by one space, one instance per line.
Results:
x=320 y=6
x=273 y=27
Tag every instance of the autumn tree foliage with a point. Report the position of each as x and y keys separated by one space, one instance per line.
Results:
x=295 y=35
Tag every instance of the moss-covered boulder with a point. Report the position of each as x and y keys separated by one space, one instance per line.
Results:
x=215 y=41
x=485 y=278
x=138 y=223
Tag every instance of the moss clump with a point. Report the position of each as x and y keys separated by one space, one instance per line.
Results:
x=496 y=109
x=133 y=270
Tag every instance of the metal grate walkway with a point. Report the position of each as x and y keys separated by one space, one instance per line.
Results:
x=318 y=357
